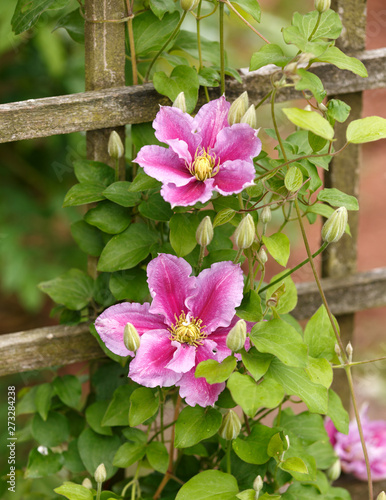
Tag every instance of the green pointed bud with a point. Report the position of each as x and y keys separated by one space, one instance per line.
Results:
x=255 y=191
x=100 y=474
x=238 y=109
x=381 y=496
x=335 y=225
x=349 y=351
x=333 y=473
x=293 y=179
x=288 y=441
x=250 y=117
x=115 y=146
x=262 y=256
x=131 y=338
x=258 y=486
x=189 y=4
x=322 y=5
x=322 y=107
x=236 y=337
x=230 y=427
x=291 y=68
x=204 y=233
x=338 y=352
x=266 y=215
x=308 y=107
x=180 y=102
x=87 y=483
x=245 y=232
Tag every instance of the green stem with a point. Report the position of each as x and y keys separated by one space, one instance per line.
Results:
x=238 y=255
x=222 y=48
x=198 y=29
x=245 y=21
x=200 y=258
x=116 y=170
x=229 y=466
x=275 y=125
x=263 y=100
x=316 y=26
x=99 y=491
x=162 y=415
x=261 y=279
x=356 y=363
x=250 y=265
x=131 y=43
x=175 y=31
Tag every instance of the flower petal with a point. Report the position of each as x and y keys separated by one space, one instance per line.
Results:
x=197 y=391
x=234 y=176
x=219 y=291
x=111 y=324
x=148 y=368
x=184 y=358
x=164 y=165
x=190 y=194
x=238 y=142
x=169 y=284
x=210 y=119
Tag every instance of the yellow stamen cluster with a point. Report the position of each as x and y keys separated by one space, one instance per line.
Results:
x=204 y=166
x=188 y=330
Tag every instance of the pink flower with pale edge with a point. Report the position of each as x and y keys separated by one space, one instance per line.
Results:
x=205 y=154
x=186 y=323
x=349 y=448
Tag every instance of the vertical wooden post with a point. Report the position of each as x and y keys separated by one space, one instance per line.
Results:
x=341 y=258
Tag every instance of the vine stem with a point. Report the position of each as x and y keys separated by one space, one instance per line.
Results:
x=343 y=352
x=199 y=49
x=131 y=41
x=356 y=363
x=228 y=453
x=99 y=491
x=245 y=21
x=222 y=48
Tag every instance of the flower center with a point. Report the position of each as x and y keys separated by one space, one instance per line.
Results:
x=204 y=165
x=188 y=330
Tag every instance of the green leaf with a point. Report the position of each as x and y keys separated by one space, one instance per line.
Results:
x=42 y=465
x=27 y=13
x=81 y=194
x=118 y=192
x=337 y=413
x=109 y=217
x=308 y=27
x=134 y=435
x=251 y=7
x=310 y=120
x=144 y=404
x=367 y=129
x=288 y=300
x=93 y=172
x=74 y=491
x=160 y=7
x=156 y=208
x=224 y=216
x=129 y=285
x=323 y=454
x=183 y=233
x=150 y=33
x=51 y=432
x=293 y=179
x=182 y=79
x=143 y=182
x=251 y=396
x=69 y=390
x=294 y=464
x=253 y=448
x=94 y=416
x=319 y=371
x=73 y=23
x=268 y=54
x=319 y=335
x=126 y=250
x=209 y=77
x=296 y=383
x=128 y=454
x=215 y=372
x=250 y=307
x=278 y=246
x=337 y=198
x=338 y=110
x=209 y=485
x=247 y=495
x=187 y=41
x=195 y=424
x=308 y=427
x=158 y=456
x=256 y=362
x=73 y=289
x=277 y=445
x=43 y=397
x=88 y=238
x=317 y=143
x=311 y=82
x=72 y=460
x=117 y=412
x=95 y=449
x=280 y=339
x=335 y=56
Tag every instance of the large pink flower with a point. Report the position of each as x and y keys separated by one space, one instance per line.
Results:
x=349 y=448
x=205 y=154
x=186 y=323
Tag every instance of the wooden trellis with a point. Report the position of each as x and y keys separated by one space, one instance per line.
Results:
x=109 y=105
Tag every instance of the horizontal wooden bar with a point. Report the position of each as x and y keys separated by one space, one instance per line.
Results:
x=122 y=105
x=60 y=345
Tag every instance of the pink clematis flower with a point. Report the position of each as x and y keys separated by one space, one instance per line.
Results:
x=349 y=448
x=205 y=154
x=186 y=323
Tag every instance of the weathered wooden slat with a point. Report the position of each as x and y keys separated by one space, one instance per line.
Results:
x=59 y=345
x=118 y=106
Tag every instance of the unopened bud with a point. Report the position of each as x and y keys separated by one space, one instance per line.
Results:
x=338 y=352
x=100 y=474
x=115 y=146
x=305 y=58
x=204 y=233
x=335 y=225
x=262 y=256
x=322 y=5
x=189 y=4
x=131 y=337
x=180 y=102
x=288 y=441
x=266 y=215
x=333 y=473
x=308 y=107
x=349 y=351
x=245 y=232
x=322 y=107
x=238 y=109
x=381 y=496
x=236 y=337
x=87 y=483
x=250 y=117
x=257 y=486
x=230 y=427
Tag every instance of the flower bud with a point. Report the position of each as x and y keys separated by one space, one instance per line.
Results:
x=381 y=496
x=333 y=473
x=245 y=232
x=180 y=102
x=115 y=147
x=335 y=226
x=322 y=107
x=308 y=107
x=258 y=485
x=204 y=233
x=266 y=215
x=236 y=337
x=338 y=352
x=349 y=351
x=87 y=483
x=100 y=474
x=291 y=68
x=230 y=427
x=238 y=109
x=43 y=450
x=288 y=441
x=322 y=5
x=131 y=338
x=189 y=4
x=262 y=256
x=250 y=117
